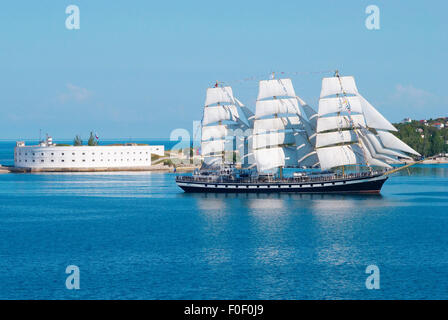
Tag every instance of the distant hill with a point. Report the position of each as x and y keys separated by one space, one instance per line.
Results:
x=424 y=137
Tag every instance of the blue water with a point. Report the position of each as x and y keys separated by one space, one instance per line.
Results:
x=137 y=236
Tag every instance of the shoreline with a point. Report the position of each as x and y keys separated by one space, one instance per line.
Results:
x=155 y=168
x=438 y=160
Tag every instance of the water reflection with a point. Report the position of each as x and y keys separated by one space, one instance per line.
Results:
x=210 y=203
x=439 y=170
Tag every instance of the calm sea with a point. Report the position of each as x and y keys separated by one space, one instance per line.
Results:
x=138 y=236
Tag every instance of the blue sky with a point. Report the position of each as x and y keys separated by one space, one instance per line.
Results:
x=139 y=69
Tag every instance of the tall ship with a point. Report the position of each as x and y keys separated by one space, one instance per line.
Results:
x=286 y=146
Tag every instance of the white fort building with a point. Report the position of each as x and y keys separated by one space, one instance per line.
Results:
x=49 y=156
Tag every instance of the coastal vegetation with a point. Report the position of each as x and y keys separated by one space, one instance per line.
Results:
x=168 y=162
x=77 y=141
x=92 y=140
x=427 y=137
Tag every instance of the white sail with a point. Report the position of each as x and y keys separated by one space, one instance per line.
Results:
x=361 y=145
x=212 y=147
x=311 y=115
x=214 y=132
x=268 y=159
x=340 y=122
x=276 y=106
x=310 y=131
x=332 y=157
x=273 y=139
x=264 y=125
x=250 y=117
x=370 y=159
x=212 y=161
x=374 y=119
x=332 y=86
x=331 y=138
x=222 y=95
x=379 y=148
x=219 y=113
x=271 y=158
x=306 y=154
x=369 y=146
x=392 y=142
x=220 y=119
x=281 y=133
x=275 y=88
x=339 y=104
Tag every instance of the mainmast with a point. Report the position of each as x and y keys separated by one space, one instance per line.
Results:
x=279 y=138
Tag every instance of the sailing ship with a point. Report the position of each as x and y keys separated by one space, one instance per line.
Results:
x=346 y=146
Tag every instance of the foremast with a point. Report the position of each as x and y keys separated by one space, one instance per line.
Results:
x=220 y=119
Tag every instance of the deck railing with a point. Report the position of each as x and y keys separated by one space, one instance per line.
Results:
x=231 y=179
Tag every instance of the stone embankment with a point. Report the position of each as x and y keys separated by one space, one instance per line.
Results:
x=153 y=168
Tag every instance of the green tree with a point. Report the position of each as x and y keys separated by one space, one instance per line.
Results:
x=77 y=141
x=437 y=143
x=92 y=141
x=434 y=140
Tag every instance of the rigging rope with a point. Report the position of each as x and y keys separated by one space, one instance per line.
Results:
x=352 y=123
x=283 y=73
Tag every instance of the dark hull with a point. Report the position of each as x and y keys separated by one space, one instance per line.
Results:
x=359 y=185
